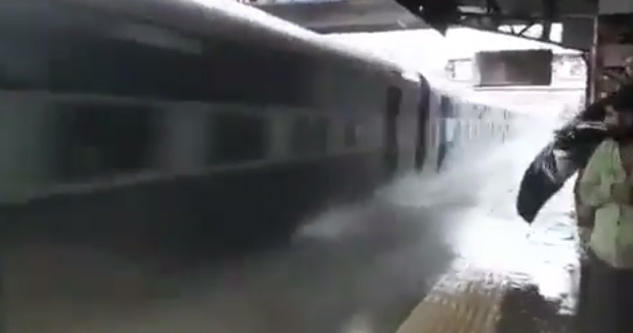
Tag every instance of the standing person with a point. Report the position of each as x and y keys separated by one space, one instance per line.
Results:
x=606 y=185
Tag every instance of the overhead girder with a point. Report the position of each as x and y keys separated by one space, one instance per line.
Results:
x=491 y=15
x=536 y=7
x=380 y=15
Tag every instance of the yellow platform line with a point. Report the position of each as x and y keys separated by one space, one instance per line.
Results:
x=463 y=303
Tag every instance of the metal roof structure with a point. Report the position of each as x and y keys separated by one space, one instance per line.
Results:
x=491 y=15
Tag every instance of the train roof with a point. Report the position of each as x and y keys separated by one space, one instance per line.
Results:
x=221 y=18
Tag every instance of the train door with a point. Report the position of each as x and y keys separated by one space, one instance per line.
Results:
x=394 y=99
x=445 y=139
x=423 y=118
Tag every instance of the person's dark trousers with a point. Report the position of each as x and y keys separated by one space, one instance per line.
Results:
x=585 y=271
x=606 y=303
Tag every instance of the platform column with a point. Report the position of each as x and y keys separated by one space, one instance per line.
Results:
x=613 y=45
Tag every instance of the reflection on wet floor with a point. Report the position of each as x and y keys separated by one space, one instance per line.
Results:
x=355 y=269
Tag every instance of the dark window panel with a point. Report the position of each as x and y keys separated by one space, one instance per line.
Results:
x=104 y=140
x=236 y=137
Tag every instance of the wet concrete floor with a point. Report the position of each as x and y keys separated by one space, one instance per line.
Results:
x=360 y=268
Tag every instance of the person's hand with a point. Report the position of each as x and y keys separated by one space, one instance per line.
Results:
x=584 y=237
x=621 y=193
x=584 y=234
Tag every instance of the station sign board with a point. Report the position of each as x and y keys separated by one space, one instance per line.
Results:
x=513 y=68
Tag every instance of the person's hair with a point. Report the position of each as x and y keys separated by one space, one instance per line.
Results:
x=622 y=101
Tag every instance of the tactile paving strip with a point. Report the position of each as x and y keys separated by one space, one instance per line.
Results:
x=465 y=302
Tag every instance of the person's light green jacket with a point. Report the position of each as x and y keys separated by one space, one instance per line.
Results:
x=612 y=236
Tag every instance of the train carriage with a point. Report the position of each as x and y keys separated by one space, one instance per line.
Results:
x=193 y=126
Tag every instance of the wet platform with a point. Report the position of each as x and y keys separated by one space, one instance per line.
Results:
x=478 y=301
x=446 y=254
x=467 y=301
x=507 y=277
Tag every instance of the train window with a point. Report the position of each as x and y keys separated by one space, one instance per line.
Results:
x=236 y=137
x=446 y=106
x=104 y=140
x=21 y=65
x=390 y=156
x=350 y=135
x=320 y=134
x=422 y=120
x=299 y=135
x=394 y=97
x=468 y=130
x=475 y=129
x=309 y=136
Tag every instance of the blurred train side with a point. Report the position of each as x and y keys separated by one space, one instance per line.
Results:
x=176 y=126
x=464 y=128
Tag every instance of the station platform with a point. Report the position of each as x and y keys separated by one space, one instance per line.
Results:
x=507 y=277
x=478 y=301
x=422 y=256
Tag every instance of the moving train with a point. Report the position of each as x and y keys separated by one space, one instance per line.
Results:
x=181 y=126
